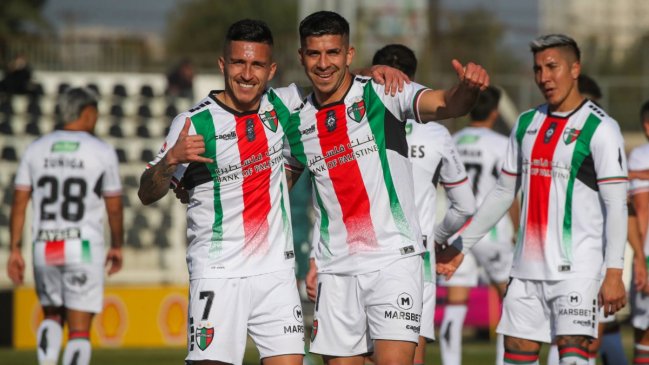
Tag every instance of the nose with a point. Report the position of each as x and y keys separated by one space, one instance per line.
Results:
x=247 y=72
x=543 y=75
x=322 y=62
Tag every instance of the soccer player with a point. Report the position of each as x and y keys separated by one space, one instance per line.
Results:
x=640 y=196
x=568 y=155
x=351 y=137
x=227 y=153
x=434 y=160
x=71 y=177
x=482 y=154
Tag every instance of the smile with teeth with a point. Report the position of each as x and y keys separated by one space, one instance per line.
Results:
x=246 y=86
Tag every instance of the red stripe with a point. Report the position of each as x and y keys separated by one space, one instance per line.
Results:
x=452 y=184
x=641 y=360
x=256 y=169
x=55 y=252
x=79 y=334
x=573 y=349
x=509 y=173
x=521 y=357
x=346 y=179
x=540 y=184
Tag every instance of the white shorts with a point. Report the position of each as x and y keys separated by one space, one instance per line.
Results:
x=640 y=310
x=223 y=311
x=495 y=258
x=352 y=311
x=428 y=311
x=75 y=286
x=539 y=310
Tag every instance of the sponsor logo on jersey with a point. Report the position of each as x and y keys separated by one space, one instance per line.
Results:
x=404 y=301
x=58 y=234
x=468 y=139
x=294 y=328
x=65 y=146
x=314 y=331
x=78 y=279
x=579 y=312
x=570 y=135
x=204 y=336
x=289 y=255
x=414 y=329
x=250 y=129
x=163 y=148
x=549 y=132
x=407 y=250
x=531 y=131
x=227 y=136
x=330 y=122
x=309 y=130
x=357 y=110
x=269 y=118
x=406 y=316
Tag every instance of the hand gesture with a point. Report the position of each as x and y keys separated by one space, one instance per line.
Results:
x=471 y=76
x=311 y=280
x=392 y=78
x=188 y=148
x=114 y=260
x=448 y=260
x=16 y=267
x=612 y=296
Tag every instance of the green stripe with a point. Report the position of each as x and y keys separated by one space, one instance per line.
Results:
x=85 y=251
x=376 y=117
x=569 y=353
x=204 y=126
x=519 y=362
x=286 y=221
x=290 y=123
x=324 y=218
x=524 y=122
x=428 y=271
x=582 y=150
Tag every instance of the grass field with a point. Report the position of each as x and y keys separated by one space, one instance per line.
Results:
x=475 y=352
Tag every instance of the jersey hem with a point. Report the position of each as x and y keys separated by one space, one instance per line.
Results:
x=383 y=264
x=241 y=275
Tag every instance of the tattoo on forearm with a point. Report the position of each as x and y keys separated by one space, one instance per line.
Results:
x=154 y=183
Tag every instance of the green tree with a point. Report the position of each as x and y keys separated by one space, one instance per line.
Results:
x=198 y=27
x=17 y=18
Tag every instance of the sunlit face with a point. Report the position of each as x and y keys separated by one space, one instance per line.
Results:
x=247 y=67
x=556 y=72
x=326 y=61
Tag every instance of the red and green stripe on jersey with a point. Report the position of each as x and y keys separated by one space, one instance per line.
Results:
x=61 y=252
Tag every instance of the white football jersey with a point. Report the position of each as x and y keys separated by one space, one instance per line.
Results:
x=561 y=160
x=639 y=160
x=238 y=217
x=482 y=152
x=434 y=160
x=69 y=173
x=357 y=153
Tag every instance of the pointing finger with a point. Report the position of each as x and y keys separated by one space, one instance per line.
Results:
x=459 y=69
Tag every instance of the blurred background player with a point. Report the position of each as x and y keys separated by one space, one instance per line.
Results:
x=568 y=156
x=434 y=160
x=482 y=154
x=71 y=177
x=180 y=80
x=227 y=153
x=639 y=190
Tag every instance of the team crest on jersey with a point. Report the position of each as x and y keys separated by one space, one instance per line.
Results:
x=269 y=118
x=549 y=132
x=331 y=121
x=314 y=331
x=250 y=129
x=357 y=110
x=570 y=135
x=204 y=336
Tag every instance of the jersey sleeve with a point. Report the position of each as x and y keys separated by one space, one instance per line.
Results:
x=111 y=184
x=452 y=172
x=638 y=160
x=607 y=146
x=23 y=179
x=170 y=140
x=290 y=96
x=404 y=105
x=511 y=162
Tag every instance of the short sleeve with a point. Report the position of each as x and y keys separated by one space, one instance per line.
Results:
x=607 y=146
x=511 y=162
x=111 y=184
x=23 y=179
x=170 y=140
x=638 y=160
x=404 y=105
x=453 y=172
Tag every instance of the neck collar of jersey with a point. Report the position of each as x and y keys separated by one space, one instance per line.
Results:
x=213 y=95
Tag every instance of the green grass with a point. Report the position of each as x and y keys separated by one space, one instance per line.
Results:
x=474 y=352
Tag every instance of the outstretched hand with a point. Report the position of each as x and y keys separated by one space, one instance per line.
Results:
x=447 y=261
x=188 y=148
x=472 y=76
x=390 y=77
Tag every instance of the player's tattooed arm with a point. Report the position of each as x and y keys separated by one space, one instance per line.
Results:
x=154 y=183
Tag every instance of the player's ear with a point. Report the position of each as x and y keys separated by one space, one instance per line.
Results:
x=222 y=65
x=575 y=70
x=273 y=69
x=350 y=55
x=300 y=53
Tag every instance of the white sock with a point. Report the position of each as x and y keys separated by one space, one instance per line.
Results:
x=78 y=351
x=48 y=342
x=451 y=334
x=553 y=355
x=500 y=349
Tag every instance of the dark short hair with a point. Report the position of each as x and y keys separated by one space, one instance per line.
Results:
x=644 y=110
x=249 y=30
x=587 y=85
x=75 y=100
x=487 y=102
x=323 y=23
x=397 y=56
x=553 y=41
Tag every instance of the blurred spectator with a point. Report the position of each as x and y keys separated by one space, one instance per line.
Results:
x=17 y=77
x=589 y=88
x=180 y=80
